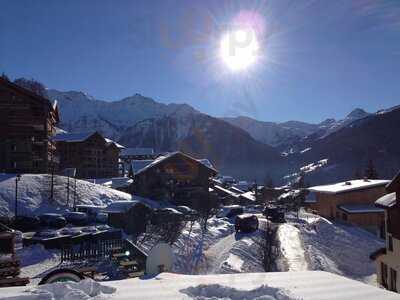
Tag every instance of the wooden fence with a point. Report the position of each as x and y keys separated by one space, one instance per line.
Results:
x=101 y=249
x=92 y=250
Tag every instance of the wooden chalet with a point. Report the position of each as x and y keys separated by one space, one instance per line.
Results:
x=350 y=201
x=92 y=155
x=175 y=177
x=27 y=125
x=131 y=216
x=388 y=258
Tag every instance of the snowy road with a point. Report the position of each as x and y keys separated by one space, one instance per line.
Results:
x=292 y=248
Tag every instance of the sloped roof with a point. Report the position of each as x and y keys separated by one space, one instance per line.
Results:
x=386 y=201
x=138 y=164
x=162 y=158
x=348 y=186
x=109 y=141
x=120 y=206
x=394 y=184
x=360 y=208
x=206 y=162
x=72 y=137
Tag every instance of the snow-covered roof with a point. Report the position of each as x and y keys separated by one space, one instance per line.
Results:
x=137 y=164
x=120 y=206
x=137 y=151
x=166 y=156
x=387 y=201
x=109 y=141
x=206 y=162
x=72 y=137
x=226 y=191
x=249 y=196
x=307 y=285
x=115 y=182
x=348 y=186
x=360 y=208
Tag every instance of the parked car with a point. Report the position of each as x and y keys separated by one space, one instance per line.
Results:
x=275 y=214
x=24 y=223
x=89 y=229
x=72 y=231
x=230 y=211
x=52 y=220
x=45 y=234
x=77 y=218
x=102 y=218
x=246 y=223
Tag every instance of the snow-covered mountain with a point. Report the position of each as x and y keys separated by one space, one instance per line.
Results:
x=285 y=134
x=143 y=122
x=81 y=112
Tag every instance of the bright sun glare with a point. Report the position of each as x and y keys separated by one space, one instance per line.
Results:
x=239 y=49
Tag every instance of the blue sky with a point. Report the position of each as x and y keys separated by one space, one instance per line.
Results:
x=320 y=59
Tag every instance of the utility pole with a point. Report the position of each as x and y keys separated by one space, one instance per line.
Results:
x=17 y=178
x=67 y=190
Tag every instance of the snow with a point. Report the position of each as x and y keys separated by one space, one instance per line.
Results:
x=72 y=137
x=85 y=289
x=114 y=182
x=334 y=247
x=388 y=200
x=305 y=150
x=34 y=194
x=360 y=208
x=348 y=186
x=37 y=261
x=216 y=291
x=291 y=247
x=305 y=285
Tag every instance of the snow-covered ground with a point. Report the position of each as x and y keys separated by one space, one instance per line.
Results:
x=314 y=243
x=36 y=262
x=291 y=247
x=280 y=286
x=34 y=194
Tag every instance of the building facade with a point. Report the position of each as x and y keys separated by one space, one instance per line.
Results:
x=352 y=202
x=27 y=125
x=175 y=177
x=89 y=153
x=388 y=258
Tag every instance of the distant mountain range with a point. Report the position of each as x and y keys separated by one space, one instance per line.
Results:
x=241 y=146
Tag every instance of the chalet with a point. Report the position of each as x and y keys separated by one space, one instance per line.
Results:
x=175 y=177
x=128 y=155
x=131 y=216
x=351 y=201
x=388 y=258
x=27 y=125
x=89 y=153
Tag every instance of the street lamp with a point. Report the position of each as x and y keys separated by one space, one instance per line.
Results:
x=17 y=178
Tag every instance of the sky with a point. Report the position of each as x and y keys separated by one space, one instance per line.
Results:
x=316 y=59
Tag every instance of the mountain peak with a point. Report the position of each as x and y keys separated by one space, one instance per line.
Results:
x=357 y=114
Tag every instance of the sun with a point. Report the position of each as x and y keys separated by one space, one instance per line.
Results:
x=239 y=48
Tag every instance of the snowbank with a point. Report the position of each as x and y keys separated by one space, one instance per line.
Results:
x=338 y=248
x=216 y=291
x=85 y=289
x=34 y=194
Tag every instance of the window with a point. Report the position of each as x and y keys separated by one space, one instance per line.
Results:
x=393 y=280
x=14 y=147
x=390 y=243
x=345 y=217
x=384 y=274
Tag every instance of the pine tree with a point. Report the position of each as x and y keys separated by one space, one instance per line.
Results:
x=370 y=171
